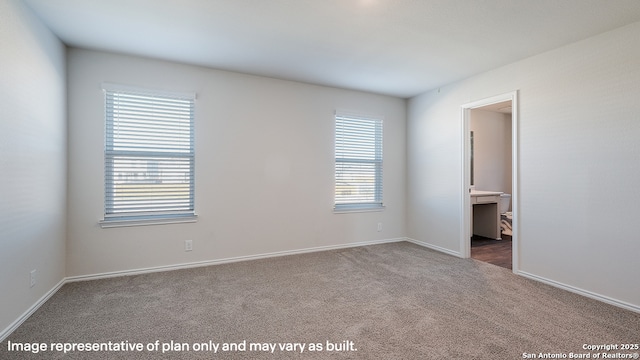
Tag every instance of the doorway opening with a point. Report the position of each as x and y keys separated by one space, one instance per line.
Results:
x=490 y=168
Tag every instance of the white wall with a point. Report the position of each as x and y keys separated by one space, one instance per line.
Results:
x=32 y=160
x=579 y=162
x=492 y=150
x=264 y=167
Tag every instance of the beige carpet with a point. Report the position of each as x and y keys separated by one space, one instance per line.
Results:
x=390 y=301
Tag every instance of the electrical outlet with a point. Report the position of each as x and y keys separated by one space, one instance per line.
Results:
x=188 y=245
x=32 y=278
x=379 y=226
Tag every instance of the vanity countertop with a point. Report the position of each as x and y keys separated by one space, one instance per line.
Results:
x=485 y=193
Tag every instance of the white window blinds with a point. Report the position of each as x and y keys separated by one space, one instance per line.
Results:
x=358 y=150
x=149 y=154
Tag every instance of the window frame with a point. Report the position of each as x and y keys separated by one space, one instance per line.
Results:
x=340 y=141
x=151 y=215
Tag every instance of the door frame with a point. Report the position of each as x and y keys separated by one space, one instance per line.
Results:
x=465 y=239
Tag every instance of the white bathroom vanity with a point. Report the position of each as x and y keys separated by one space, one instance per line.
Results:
x=485 y=214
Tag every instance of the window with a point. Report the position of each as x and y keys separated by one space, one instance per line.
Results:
x=358 y=150
x=149 y=157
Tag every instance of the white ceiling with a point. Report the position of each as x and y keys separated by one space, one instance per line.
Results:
x=501 y=107
x=394 y=47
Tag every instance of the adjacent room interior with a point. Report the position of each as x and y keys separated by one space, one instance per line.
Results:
x=277 y=146
x=491 y=182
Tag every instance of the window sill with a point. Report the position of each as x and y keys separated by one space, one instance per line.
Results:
x=348 y=210
x=113 y=223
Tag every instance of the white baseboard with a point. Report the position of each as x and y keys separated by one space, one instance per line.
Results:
x=226 y=260
x=13 y=326
x=586 y=293
x=589 y=294
x=435 y=247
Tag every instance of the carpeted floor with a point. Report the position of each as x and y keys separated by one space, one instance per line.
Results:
x=390 y=301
